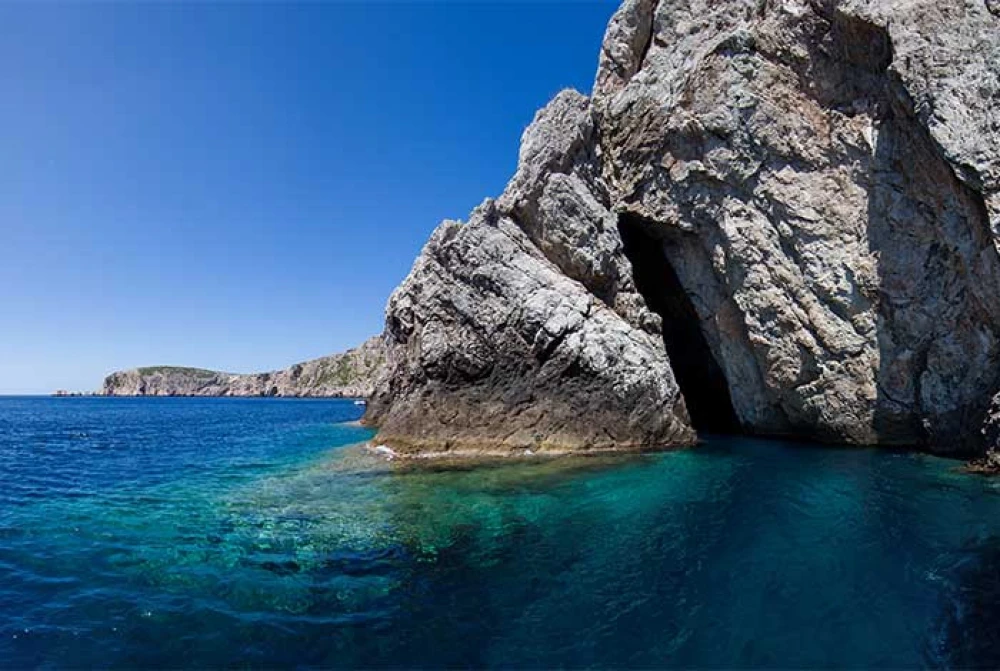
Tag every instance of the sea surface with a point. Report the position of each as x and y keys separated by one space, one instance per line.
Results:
x=145 y=533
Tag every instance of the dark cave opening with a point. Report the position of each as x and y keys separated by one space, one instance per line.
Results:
x=702 y=382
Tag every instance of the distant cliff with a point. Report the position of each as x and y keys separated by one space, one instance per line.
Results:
x=349 y=374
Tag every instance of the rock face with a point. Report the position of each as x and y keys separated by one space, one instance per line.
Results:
x=350 y=374
x=774 y=215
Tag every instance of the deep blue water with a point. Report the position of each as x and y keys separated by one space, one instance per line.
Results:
x=251 y=533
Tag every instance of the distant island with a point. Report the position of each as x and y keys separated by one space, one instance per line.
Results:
x=349 y=374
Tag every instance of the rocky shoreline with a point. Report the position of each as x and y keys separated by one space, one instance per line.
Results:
x=986 y=465
x=350 y=374
x=775 y=218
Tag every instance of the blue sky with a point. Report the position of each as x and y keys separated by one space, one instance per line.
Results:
x=240 y=187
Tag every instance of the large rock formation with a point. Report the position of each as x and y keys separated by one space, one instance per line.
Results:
x=346 y=375
x=523 y=330
x=776 y=214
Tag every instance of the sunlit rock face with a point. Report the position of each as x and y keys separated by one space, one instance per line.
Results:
x=775 y=217
x=494 y=349
x=522 y=329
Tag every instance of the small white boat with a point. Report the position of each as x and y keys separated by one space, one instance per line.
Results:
x=361 y=401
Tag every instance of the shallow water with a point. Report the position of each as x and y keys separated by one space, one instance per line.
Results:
x=252 y=533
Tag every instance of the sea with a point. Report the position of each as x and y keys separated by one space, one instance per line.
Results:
x=260 y=533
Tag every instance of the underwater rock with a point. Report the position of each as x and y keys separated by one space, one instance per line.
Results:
x=964 y=637
x=282 y=568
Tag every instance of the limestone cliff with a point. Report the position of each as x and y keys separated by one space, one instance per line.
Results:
x=349 y=374
x=777 y=215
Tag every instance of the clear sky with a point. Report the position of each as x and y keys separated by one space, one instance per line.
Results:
x=240 y=187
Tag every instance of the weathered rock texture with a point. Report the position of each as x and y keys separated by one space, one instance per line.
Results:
x=789 y=207
x=348 y=375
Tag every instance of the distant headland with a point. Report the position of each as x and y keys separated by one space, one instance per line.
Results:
x=349 y=374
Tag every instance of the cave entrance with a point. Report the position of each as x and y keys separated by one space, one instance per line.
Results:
x=702 y=382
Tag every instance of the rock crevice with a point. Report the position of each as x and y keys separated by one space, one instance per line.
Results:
x=699 y=376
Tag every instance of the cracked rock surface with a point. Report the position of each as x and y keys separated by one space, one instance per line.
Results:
x=822 y=181
x=492 y=348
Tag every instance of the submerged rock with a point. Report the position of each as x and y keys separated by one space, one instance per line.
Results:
x=347 y=375
x=778 y=216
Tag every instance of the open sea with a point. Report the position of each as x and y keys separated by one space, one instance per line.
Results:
x=150 y=533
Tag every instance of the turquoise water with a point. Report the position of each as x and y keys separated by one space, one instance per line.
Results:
x=252 y=533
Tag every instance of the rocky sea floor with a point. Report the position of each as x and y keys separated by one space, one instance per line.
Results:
x=256 y=533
